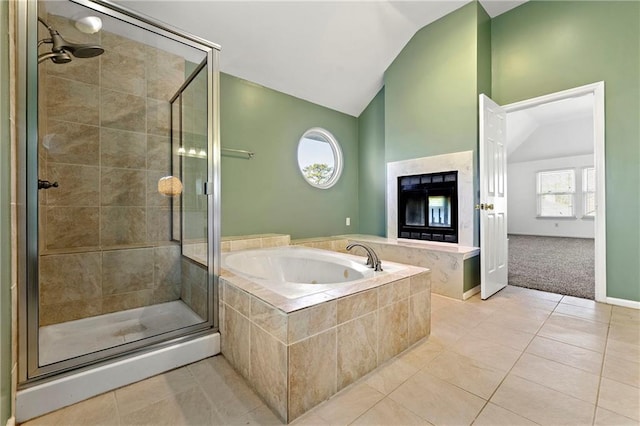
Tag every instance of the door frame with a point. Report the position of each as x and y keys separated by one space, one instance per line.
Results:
x=597 y=90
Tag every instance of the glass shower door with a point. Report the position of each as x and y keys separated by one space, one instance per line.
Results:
x=113 y=270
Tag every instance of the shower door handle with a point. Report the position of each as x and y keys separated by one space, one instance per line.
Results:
x=45 y=184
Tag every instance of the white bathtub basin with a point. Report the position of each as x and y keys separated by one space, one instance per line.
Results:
x=294 y=271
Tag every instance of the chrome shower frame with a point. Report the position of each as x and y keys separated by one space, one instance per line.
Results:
x=29 y=370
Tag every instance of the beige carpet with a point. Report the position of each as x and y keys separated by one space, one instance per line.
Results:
x=554 y=264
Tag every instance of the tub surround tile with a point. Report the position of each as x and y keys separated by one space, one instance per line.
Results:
x=310 y=386
x=359 y=304
x=271 y=319
x=236 y=340
x=245 y=244
x=268 y=369
x=357 y=349
x=419 y=316
x=314 y=320
x=419 y=283
x=391 y=293
x=238 y=300
x=343 y=334
x=393 y=330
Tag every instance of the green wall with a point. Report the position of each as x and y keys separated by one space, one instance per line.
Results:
x=5 y=227
x=371 y=168
x=268 y=193
x=430 y=90
x=547 y=46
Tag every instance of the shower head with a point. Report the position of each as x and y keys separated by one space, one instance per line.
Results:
x=61 y=48
x=77 y=50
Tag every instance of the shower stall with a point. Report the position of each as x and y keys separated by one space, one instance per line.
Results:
x=119 y=217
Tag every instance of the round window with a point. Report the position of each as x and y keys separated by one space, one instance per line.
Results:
x=319 y=158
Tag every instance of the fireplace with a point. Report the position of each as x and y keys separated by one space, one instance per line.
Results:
x=428 y=207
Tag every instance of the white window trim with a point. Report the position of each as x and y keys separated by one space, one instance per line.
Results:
x=539 y=195
x=584 y=192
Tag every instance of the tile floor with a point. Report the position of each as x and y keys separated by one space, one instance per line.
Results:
x=523 y=357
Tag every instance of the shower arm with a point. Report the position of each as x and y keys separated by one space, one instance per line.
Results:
x=45 y=40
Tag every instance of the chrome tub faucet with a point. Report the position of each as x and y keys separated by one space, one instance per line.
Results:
x=372 y=258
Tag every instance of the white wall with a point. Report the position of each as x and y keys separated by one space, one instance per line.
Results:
x=522 y=203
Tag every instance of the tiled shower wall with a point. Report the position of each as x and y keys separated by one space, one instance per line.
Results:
x=104 y=232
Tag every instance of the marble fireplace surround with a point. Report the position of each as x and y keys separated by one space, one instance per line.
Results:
x=460 y=161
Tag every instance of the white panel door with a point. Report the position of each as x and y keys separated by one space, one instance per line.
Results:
x=493 y=198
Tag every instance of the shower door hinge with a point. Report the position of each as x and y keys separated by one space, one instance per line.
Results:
x=208 y=188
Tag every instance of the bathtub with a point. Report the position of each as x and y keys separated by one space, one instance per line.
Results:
x=284 y=309
x=295 y=271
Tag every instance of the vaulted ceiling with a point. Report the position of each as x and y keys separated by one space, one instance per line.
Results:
x=332 y=53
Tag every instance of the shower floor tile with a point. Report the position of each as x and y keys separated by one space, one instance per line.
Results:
x=74 y=338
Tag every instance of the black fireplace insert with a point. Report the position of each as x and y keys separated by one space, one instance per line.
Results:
x=428 y=207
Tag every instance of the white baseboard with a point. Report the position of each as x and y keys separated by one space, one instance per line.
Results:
x=11 y=421
x=46 y=397
x=467 y=294
x=623 y=302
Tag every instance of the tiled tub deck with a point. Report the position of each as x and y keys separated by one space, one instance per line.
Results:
x=297 y=353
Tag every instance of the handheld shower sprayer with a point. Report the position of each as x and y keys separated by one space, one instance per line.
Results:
x=62 y=50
